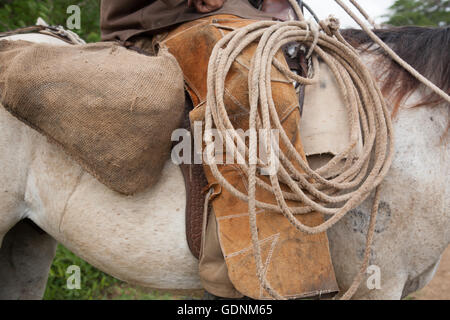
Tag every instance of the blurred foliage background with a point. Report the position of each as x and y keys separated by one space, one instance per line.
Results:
x=21 y=13
x=430 y=13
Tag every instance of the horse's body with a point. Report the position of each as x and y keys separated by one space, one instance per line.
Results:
x=141 y=239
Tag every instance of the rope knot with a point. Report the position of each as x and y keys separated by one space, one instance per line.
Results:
x=330 y=25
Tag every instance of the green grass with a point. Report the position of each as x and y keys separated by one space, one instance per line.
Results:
x=95 y=284
x=22 y=13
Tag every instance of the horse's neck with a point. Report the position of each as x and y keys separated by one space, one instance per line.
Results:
x=418 y=129
x=375 y=62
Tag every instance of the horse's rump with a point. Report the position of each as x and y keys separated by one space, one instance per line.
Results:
x=111 y=109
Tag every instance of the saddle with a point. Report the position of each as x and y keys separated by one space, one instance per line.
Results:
x=297 y=265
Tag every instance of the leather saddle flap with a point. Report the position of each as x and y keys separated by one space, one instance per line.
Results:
x=296 y=264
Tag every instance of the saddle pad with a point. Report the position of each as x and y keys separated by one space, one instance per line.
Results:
x=296 y=264
x=325 y=125
x=111 y=109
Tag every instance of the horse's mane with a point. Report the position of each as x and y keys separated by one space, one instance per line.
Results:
x=425 y=49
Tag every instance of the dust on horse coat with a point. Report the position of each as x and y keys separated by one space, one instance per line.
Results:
x=141 y=239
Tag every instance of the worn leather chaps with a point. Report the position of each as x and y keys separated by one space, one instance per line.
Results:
x=296 y=264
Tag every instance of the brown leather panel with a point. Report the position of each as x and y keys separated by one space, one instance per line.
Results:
x=298 y=265
x=195 y=182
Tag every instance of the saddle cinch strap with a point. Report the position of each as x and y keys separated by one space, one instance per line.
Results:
x=296 y=264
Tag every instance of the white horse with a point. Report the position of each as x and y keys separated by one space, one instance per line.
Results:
x=141 y=239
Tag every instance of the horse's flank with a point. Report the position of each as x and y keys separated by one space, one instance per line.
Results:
x=425 y=49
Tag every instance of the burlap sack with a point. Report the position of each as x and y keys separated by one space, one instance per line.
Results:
x=111 y=109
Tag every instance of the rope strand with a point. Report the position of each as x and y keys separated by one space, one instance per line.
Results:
x=334 y=189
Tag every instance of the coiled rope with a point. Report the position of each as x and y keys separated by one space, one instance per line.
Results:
x=334 y=189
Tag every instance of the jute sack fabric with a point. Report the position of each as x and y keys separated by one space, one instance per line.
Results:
x=111 y=109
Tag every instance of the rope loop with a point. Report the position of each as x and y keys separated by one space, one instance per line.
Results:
x=343 y=183
x=330 y=26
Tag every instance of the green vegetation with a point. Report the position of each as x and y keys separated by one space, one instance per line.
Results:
x=22 y=13
x=430 y=13
x=95 y=285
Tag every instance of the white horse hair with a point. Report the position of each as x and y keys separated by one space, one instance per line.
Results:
x=141 y=239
